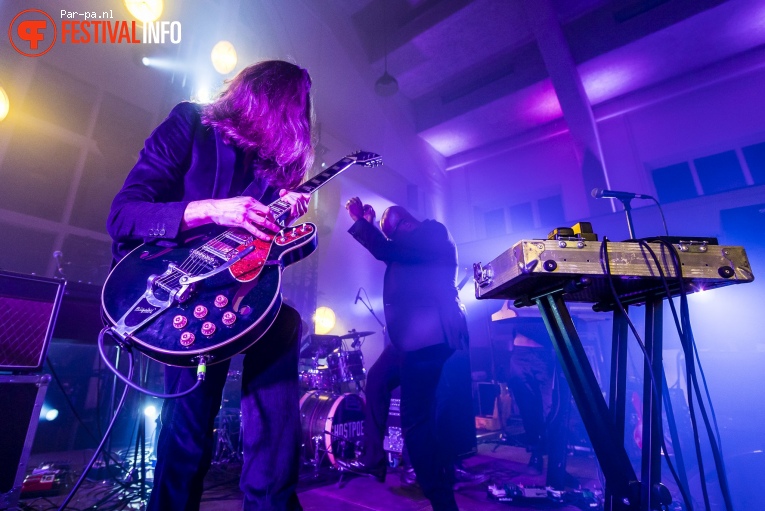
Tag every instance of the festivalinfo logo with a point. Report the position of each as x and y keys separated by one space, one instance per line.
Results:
x=33 y=32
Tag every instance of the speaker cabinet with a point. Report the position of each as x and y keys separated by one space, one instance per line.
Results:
x=21 y=399
x=28 y=310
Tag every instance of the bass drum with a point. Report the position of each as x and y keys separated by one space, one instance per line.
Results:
x=335 y=422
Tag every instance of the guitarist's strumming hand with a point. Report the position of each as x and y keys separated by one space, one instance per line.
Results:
x=243 y=212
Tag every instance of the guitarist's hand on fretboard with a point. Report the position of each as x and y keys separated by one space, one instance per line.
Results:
x=298 y=204
x=242 y=212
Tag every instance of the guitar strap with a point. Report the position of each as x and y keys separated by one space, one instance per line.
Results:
x=258 y=188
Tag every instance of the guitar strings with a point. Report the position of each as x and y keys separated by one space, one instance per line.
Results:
x=194 y=263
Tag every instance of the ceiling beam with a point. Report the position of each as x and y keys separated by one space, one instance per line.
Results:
x=588 y=36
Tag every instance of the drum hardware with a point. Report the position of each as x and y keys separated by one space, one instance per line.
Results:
x=318 y=454
x=357 y=337
x=228 y=437
x=228 y=422
x=353 y=334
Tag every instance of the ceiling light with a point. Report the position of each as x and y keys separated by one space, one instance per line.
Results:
x=223 y=57
x=5 y=104
x=386 y=85
x=324 y=320
x=145 y=10
x=203 y=95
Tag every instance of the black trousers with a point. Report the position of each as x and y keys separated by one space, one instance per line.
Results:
x=270 y=423
x=544 y=402
x=418 y=373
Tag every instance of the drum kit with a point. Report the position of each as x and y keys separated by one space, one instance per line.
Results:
x=332 y=409
x=332 y=412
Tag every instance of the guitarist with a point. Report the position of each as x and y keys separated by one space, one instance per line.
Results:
x=221 y=163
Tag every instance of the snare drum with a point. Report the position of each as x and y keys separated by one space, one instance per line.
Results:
x=346 y=366
x=336 y=421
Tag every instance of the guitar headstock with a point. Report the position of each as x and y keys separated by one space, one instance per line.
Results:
x=366 y=159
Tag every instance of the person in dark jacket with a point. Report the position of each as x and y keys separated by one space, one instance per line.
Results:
x=425 y=324
x=221 y=164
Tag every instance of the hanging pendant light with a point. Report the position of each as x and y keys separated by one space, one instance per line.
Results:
x=386 y=85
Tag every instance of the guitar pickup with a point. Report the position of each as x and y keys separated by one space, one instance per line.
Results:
x=241 y=240
x=219 y=252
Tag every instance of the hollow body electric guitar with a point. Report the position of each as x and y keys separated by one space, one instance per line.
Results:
x=216 y=291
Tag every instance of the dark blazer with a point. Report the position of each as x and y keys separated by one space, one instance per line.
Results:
x=182 y=161
x=419 y=290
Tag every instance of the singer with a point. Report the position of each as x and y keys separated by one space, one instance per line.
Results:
x=426 y=326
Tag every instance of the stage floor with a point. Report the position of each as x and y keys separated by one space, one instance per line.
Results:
x=328 y=493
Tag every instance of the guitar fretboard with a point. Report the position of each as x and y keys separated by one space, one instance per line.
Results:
x=280 y=207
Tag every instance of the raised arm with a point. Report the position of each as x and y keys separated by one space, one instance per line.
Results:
x=435 y=244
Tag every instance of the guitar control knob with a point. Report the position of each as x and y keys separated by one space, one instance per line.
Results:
x=229 y=318
x=221 y=301
x=187 y=339
x=208 y=328
x=180 y=321
x=200 y=311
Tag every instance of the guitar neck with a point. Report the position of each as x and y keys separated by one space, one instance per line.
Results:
x=280 y=207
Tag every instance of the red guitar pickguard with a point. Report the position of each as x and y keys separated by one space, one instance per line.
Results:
x=252 y=264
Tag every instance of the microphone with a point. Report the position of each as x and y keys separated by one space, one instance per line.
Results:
x=358 y=297
x=600 y=193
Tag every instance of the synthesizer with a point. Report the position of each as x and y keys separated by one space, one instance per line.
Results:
x=532 y=268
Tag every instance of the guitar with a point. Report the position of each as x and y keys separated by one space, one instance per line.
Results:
x=214 y=293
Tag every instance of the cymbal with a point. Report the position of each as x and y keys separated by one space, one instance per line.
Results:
x=355 y=335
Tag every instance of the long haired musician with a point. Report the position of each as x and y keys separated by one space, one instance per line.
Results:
x=220 y=164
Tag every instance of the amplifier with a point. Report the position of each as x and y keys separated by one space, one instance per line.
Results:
x=535 y=267
x=28 y=309
x=21 y=399
x=393 y=442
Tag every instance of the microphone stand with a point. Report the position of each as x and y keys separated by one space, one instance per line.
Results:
x=626 y=202
x=369 y=308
